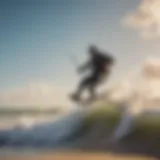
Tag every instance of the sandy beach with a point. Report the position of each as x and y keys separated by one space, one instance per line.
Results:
x=74 y=155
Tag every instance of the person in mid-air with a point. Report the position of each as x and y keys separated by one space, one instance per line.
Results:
x=99 y=64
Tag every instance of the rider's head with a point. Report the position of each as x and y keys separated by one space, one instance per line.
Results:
x=93 y=50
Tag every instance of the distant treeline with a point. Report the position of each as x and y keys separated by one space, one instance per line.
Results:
x=17 y=111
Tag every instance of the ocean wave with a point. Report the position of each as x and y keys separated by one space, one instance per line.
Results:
x=50 y=133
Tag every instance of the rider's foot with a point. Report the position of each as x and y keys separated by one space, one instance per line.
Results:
x=75 y=97
x=92 y=97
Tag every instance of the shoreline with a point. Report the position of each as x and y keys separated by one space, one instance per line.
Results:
x=76 y=155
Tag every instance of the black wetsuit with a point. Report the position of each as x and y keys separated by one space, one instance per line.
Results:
x=99 y=66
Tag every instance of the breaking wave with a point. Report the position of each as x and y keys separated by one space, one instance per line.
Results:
x=40 y=132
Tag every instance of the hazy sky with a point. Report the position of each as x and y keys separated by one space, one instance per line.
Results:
x=38 y=36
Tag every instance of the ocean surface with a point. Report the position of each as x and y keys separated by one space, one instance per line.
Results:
x=30 y=131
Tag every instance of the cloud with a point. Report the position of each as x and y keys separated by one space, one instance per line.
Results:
x=145 y=19
x=36 y=94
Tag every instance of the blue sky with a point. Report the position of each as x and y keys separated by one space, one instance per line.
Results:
x=37 y=37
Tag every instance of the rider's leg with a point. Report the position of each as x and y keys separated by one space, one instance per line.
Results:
x=82 y=86
x=92 y=92
x=92 y=88
x=94 y=82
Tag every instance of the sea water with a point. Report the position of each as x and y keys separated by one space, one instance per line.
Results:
x=28 y=132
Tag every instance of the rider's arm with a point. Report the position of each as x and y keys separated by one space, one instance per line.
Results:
x=85 y=66
x=108 y=58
